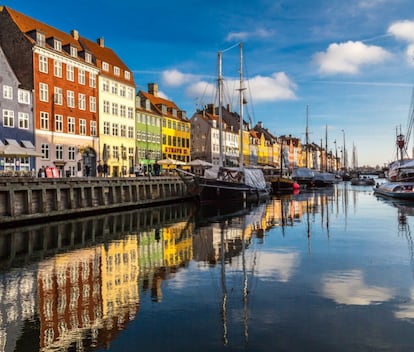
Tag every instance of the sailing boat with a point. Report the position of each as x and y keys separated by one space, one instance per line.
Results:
x=228 y=184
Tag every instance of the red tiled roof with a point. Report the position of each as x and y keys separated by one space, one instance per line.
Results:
x=27 y=24
x=157 y=101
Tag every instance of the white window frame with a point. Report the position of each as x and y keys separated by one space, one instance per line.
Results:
x=58 y=123
x=44 y=120
x=58 y=98
x=23 y=120
x=71 y=124
x=70 y=73
x=70 y=98
x=57 y=68
x=8 y=118
x=23 y=96
x=43 y=92
x=7 y=92
x=43 y=64
x=82 y=127
x=82 y=101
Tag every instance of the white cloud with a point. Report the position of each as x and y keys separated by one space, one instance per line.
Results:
x=349 y=57
x=280 y=266
x=276 y=87
x=258 y=33
x=175 y=78
x=201 y=89
x=403 y=30
x=406 y=310
x=350 y=288
x=410 y=54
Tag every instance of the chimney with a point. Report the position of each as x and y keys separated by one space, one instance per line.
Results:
x=153 y=89
x=75 y=34
x=211 y=109
x=101 y=42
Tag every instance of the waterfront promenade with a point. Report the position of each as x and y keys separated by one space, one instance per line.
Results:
x=27 y=199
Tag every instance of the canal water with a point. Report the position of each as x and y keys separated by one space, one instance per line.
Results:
x=328 y=270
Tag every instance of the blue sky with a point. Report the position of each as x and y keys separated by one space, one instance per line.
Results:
x=351 y=62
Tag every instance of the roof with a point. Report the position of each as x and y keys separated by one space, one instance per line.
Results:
x=103 y=53
x=27 y=25
x=157 y=102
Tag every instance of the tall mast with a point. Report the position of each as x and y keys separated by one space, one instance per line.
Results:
x=326 y=148
x=241 y=107
x=307 y=136
x=220 y=92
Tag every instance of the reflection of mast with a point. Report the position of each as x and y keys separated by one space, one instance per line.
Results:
x=223 y=284
x=308 y=226
x=404 y=229
x=245 y=290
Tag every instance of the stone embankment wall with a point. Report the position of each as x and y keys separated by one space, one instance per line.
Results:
x=30 y=199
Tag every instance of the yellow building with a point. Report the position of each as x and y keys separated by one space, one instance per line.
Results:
x=175 y=128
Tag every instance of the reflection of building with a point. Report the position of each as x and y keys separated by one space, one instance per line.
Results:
x=177 y=244
x=18 y=296
x=70 y=303
x=120 y=296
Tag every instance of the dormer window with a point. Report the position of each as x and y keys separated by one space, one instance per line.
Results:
x=40 y=38
x=88 y=57
x=116 y=71
x=127 y=75
x=105 y=66
x=174 y=112
x=73 y=51
x=57 y=44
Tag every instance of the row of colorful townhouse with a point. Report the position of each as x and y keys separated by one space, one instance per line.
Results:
x=70 y=103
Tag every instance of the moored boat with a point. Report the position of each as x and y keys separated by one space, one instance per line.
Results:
x=363 y=181
x=281 y=184
x=400 y=190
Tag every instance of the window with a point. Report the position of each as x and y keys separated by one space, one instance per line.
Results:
x=122 y=90
x=43 y=64
x=117 y=71
x=130 y=132
x=58 y=123
x=23 y=96
x=70 y=99
x=122 y=111
x=57 y=68
x=106 y=106
x=115 y=151
x=130 y=113
x=105 y=66
x=59 y=152
x=71 y=153
x=92 y=104
x=130 y=94
x=114 y=109
x=44 y=120
x=127 y=75
x=45 y=151
x=81 y=76
x=7 y=92
x=88 y=58
x=92 y=80
x=8 y=118
x=44 y=92
x=58 y=96
x=23 y=120
x=105 y=85
x=82 y=101
x=93 y=128
x=40 y=37
x=115 y=129
x=57 y=44
x=82 y=126
x=73 y=51
x=123 y=130
x=106 y=128
x=114 y=88
x=70 y=73
x=71 y=124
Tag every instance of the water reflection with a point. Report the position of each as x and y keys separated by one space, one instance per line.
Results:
x=76 y=285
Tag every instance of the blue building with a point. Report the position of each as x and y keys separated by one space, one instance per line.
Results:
x=17 y=149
